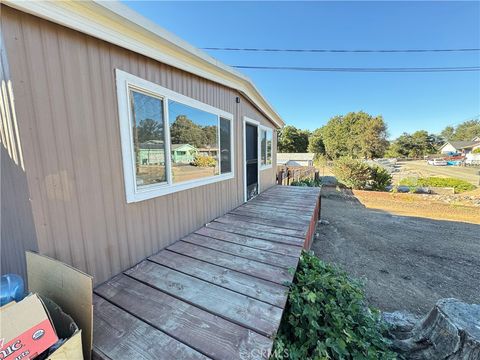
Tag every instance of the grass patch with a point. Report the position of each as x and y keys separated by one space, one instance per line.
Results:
x=457 y=184
x=326 y=317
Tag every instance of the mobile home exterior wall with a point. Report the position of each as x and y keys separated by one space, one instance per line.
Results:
x=67 y=115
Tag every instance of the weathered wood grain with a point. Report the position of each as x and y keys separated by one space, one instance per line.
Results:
x=232 y=262
x=262 y=227
x=119 y=335
x=297 y=214
x=242 y=251
x=240 y=309
x=256 y=243
x=248 y=285
x=271 y=215
x=210 y=334
x=260 y=220
x=284 y=239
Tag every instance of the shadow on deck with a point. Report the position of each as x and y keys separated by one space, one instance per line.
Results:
x=217 y=293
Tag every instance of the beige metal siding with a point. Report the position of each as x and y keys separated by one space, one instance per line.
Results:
x=67 y=113
x=16 y=219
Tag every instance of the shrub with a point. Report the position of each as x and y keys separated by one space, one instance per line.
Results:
x=476 y=151
x=457 y=184
x=307 y=182
x=353 y=173
x=326 y=317
x=204 y=161
x=359 y=175
x=380 y=178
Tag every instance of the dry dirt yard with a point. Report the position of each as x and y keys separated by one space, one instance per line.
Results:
x=406 y=261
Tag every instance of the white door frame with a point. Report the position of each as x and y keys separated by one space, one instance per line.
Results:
x=257 y=124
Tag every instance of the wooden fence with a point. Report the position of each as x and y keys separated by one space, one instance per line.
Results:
x=288 y=174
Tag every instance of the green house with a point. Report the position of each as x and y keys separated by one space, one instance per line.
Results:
x=183 y=153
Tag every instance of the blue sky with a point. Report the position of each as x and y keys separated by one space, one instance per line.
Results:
x=407 y=101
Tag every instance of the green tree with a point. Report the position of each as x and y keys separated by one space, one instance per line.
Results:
x=356 y=135
x=185 y=131
x=292 y=140
x=149 y=129
x=448 y=133
x=315 y=143
x=415 y=145
x=465 y=131
x=210 y=135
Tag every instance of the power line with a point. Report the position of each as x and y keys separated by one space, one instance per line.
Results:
x=358 y=69
x=341 y=50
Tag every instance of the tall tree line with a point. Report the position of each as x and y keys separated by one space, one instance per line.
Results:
x=361 y=135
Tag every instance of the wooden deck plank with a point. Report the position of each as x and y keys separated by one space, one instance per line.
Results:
x=119 y=335
x=260 y=220
x=297 y=210
x=248 y=285
x=271 y=215
x=266 y=215
x=282 y=205
x=284 y=239
x=209 y=334
x=292 y=215
x=232 y=262
x=242 y=251
x=267 y=245
x=238 y=222
x=240 y=309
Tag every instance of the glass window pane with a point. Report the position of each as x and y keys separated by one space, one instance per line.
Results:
x=194 y=142
x=263 y=147
x=269 y=147
x=225 y=146
x=148 y=138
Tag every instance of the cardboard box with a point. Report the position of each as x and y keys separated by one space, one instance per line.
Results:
x=26 y=329
x=72 y=290
x=62 y=296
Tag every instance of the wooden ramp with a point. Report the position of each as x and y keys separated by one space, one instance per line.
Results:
x=218 y=293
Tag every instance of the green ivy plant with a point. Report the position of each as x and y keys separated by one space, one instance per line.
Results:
x=326 y=318
x=307 y=183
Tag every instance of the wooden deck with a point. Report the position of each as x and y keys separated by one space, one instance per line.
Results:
x=218 y=293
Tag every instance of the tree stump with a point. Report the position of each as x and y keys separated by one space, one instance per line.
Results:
x=450 y=331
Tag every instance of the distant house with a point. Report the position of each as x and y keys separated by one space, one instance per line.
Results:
x=208 y=151
x=151 y=153
x=460 y=147
x=183 y=153
x=295 y=159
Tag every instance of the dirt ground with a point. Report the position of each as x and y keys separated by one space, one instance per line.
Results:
x=420 y=168
x=462 y=207
x=406 y=262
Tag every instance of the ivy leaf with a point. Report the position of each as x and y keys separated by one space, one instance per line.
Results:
x=311 y=296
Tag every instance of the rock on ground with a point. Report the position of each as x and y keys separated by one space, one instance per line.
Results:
x=450 y=331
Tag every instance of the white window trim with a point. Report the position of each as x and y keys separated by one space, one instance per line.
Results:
x=125 y=81
x=268 y=130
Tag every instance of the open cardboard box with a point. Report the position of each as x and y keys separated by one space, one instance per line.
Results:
x=56 y=290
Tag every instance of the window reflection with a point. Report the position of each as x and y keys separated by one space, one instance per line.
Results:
x=194 y=142
x=269 y=141
x=225 y=146
x=148 y=138
x=263 y=144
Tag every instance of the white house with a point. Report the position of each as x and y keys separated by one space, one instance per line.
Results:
x=295 y=159
x=460 y=147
